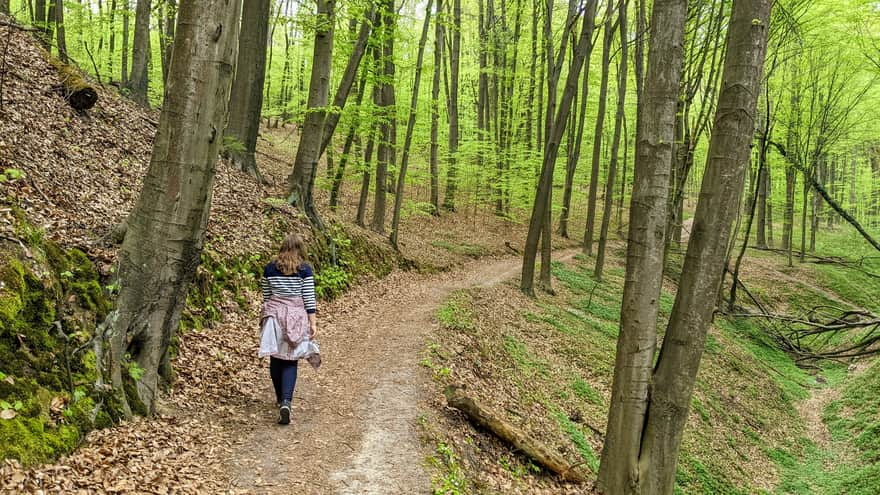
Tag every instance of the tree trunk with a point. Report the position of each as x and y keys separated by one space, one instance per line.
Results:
x=677 y=365
x=247 y=88
x=347 y=81
x=817 y=203
x=42 y=23
x=166 y=229
x=111 y=48
x=763 y=175
x=365 y=182
x=346 y=149
x=139 y=80
x=4 y=7
x=574 y=151
x=435 y=111
x=619 y=469
x=540 y=209
x=305 y=164
x=60 y=38
x=452 y=111
x=386 y=149
x=126 y=16
x=410 y=126
x=615 y=141
x=170 y=17
x=530 y=99
x=597 y=135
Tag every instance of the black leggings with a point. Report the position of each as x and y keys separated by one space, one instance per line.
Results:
x=283 y=374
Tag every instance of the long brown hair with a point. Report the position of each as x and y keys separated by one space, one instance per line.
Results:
x=292 y=254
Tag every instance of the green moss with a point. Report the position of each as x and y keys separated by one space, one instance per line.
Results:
x=42 y=287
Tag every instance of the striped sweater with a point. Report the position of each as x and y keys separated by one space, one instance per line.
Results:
x=299 y=284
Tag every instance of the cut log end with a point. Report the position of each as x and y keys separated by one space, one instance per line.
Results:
x=78 y=92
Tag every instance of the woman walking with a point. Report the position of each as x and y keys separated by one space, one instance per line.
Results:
x=288 y=319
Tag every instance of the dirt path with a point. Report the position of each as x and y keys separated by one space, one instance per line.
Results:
x=354 y=426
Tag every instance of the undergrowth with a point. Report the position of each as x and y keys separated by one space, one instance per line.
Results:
x=548 y=365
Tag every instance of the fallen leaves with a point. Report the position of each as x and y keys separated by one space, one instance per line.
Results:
x=8 y=414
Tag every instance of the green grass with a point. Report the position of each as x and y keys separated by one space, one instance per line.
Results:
x=462 y=248
x=576 y=435
x=583 y=390
x=793 y=381
x=455 y=314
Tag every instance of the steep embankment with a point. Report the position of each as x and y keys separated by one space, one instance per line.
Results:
x=546 y=366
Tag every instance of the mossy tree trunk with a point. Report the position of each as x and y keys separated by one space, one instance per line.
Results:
x=166 y=228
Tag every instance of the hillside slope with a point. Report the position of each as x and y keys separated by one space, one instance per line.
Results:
x=756 y=419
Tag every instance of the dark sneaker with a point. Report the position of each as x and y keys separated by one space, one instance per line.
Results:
x=284 y=413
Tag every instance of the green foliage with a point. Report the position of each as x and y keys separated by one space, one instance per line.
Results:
x=580 y=441
x=585 y=391
x=331 y=282
x=455 y=314
x=10 y=175
x=231 y=144
x=452 y=480
x=464 y=248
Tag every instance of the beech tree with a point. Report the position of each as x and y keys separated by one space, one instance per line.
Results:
x=619 y=471
x=166 y=228
x=649 y=465
x=302 y=180
x=247 y=87
x=139 y=79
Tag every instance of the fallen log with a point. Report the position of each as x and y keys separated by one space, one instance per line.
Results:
x=534 y=449
x=78 y=93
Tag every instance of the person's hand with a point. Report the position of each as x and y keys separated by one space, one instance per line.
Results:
x=313 y=330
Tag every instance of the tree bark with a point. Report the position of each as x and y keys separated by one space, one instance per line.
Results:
x=139 y=79
x=247 y=89
x=435 y=111
x=452 y=110
x=619 y=469
x=346 y=149
x=683 y=344
x=347 y=81
x=574 y=151
x=365 y=182
x=410 y=126
x=539 y=218
x=615 y=142
x=166 y=229
x=597 y=134
x=385 y=101
x=168 y=37
x=126 y=16
x=60 y=37
x=305 y=165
